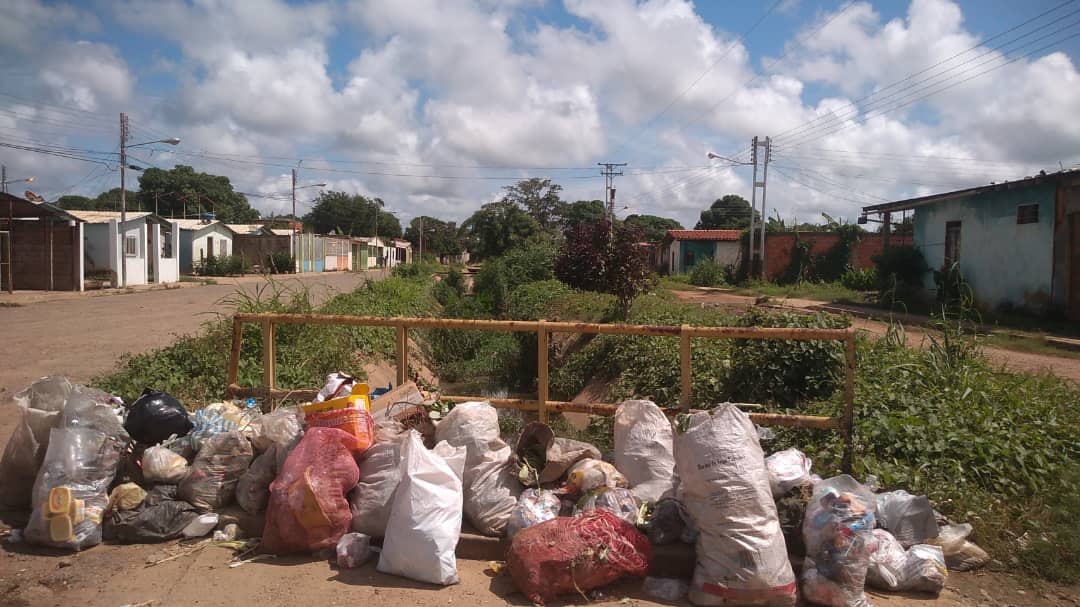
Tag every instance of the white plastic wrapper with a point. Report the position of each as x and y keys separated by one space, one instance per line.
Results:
x=353 y=550
x=787 y=469
x=741 y=555
x=425 y=520
x=645 y=449
x=533 y=507
x=338 y=385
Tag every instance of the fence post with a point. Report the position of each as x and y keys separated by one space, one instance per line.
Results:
x=269 y=359
x=685 y=383
x=847 y=422
x=233 y=372
x=542 y=371
x=402 y=350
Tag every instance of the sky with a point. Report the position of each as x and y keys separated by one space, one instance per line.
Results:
x=436 y=105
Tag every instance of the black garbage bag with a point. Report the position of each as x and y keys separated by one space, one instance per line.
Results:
x=155 y=416
x=160 y=517
x=667 y=523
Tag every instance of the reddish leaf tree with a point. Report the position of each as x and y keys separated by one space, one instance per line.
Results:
x=605 y=258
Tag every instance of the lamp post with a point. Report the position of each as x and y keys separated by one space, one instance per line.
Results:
x=123 y=186
x=4 y=181
x=292 y=223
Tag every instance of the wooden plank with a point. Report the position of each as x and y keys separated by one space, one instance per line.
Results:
x=685 y=378
x=269 y=355
x=233 y=372
x=542 y=371
x=401 y=349
x=847 y=419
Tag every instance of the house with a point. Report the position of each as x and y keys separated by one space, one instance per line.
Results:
x=338 y=253
x=202 y=238
x=254 y=243
x=1016 y=243
x=399 y=253
x=41 y=247
x=380 y=253
x=681 y=250
x=146 y=243
x=250 y=229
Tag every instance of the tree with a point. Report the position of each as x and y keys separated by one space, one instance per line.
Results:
x=732 y=212
x=105 y=201
x=351 y=215
x=652 y=227
x=441 y=238
x=498 y=227
x=605 y=258
x=181 y=191
x=537 y=197
x=583 y=211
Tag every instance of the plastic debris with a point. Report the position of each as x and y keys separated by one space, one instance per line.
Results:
x=126 y=496
x=163 y=465
x=838 y=532
x=39 y=412
x=201 y=526
x=160 y=517
x=666 y=589
x=909 y=518
x=961 y=554
x=353 y=550
x=667 y=522
x=619 y=500
x=540 y=457
x=591 y=474
x=787 y=469
x=533 y=507
x=211 y=483
x=920 y=568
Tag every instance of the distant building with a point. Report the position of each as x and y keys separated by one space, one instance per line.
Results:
x=681 y=250
x=1016 y=243
x=41 y=247
x=202 y=238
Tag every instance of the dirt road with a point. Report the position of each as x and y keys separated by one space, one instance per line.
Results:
x=1064 y=367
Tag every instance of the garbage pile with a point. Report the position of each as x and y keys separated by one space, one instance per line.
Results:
x=397 y=485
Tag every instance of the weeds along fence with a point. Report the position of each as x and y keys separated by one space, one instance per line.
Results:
x=541 y=405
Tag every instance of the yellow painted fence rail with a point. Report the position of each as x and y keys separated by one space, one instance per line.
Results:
x=543 y=329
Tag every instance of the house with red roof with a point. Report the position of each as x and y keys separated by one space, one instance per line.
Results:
x=681 y=250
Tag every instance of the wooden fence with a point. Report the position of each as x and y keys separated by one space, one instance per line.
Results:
x=543 y=329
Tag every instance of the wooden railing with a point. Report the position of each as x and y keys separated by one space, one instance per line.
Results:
x=541 y=405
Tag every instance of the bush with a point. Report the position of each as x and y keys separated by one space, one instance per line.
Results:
x=607 y=259
x=280 y=262
x=534 y=261
x=450 y=288
x=221 y=265
x=906 y=264
x=710 y=273
x=860 y=280
x=414 y=270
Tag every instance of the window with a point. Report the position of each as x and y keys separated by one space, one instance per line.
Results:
x=952 y=243
x=224 y=248
x=1027 y=213
x=131 y=246
x=688 y=259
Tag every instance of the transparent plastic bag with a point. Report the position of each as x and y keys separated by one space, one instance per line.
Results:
x=39 y=406
x=591 y=474
x=534 y=506
x=71 y=491
x=353 y=550
x=920 y=568
x=163 y=465
x=909 y=518
x=211 y=483
x=787 y=469
x=282 y=427
x=619 y=500
x=838 y=533
x=960 y=553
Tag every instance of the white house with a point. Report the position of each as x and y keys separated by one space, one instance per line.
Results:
x=148 y=252
x=681 y=250
x=202 y=238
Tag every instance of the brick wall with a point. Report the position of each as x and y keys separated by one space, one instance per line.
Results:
x=778 y=247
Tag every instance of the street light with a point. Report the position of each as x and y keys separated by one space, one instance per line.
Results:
x=4 y=180
x=123 y=186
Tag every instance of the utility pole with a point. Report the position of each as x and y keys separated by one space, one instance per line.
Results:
x=3 y=178
x=757 y=254
x=123 y=197
x=292 y=225
x=609 y=185
x=421 y=239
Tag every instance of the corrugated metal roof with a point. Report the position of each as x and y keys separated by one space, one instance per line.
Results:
x=727 y=235
x=198 y=224
x=107 y=216
x=280 y=232
x=245 y=228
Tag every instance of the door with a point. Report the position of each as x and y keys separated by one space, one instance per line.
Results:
x=952 y=243
x=1074 y=266
x=151 y=256
x=209 y=246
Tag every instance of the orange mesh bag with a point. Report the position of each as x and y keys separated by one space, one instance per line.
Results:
x=576 y=554
x=352 y=420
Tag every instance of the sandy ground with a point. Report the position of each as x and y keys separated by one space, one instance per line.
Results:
x=84 y=336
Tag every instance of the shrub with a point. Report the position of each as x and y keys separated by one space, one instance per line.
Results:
x=414 y=270
x=280 y=262
x=450 y=288
x=221 y=265
x=860 y=280
x=709 y=273
x=605 y=258
x=534 y=261
x=906 y=264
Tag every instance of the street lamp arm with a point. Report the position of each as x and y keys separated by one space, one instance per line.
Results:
x=170 y=141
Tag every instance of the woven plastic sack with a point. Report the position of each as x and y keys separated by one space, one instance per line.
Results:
x=576 y=554
x=308 y=510
x=467 y=422
x=645 y=449
x=787 y=469
x=425 y=519
x=211 y=483
x=71 y=491
x=372 y=497
x=838 y=533
x=39 y=412
x=741 y=556
x=534 y=506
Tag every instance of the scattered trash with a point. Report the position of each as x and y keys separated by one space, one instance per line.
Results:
x=618 y=500
x=282 y=428
x=257 y=557
x=496 y=567
x=791 y=509
x=338 y=385
x=14 y=536
x=579 y=554
x=214 y=419
x=211 y=483
x=155 y=416
x=126 y=496
x=909 y=518
x=228 y=533
x=787 y=469
x=163 y=465
x=353 y=550
x=70 y=496
x=540 y=457
x=533 y=507
x=961 y=554
x=425 y=519
x=39 y=412
x=349 y=414
x=666 y=522
x=645 y=449
x=201 y=526
x=838 y=532
x=920 y=568
x=308 y=511
x=590 y=474
x=666 y=589
x=160 y=517
x=725 y=486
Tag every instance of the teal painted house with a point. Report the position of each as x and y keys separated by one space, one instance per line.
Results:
x=681 y=250
x=1016 y=243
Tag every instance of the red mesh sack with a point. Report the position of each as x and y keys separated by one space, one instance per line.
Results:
x=576 y=554
x=308 y=509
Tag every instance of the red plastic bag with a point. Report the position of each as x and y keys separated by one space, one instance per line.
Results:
x=576 y=554
x=308 y=510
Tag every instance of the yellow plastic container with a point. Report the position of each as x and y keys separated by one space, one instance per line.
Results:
x=61 y=528
x=59 y=500
x=360 y=398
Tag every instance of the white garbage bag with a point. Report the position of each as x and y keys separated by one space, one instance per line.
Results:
x=425 y=520
x=918 y=569
x=742 y=558
x=467 y=422
x=787 y=469
x=909 y=518
x=645 y=449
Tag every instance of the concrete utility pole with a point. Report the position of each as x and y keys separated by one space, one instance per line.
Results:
x=609 y=185
x=757 y=254
x=292 y=225
x=421 y=239
x=123 y=197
